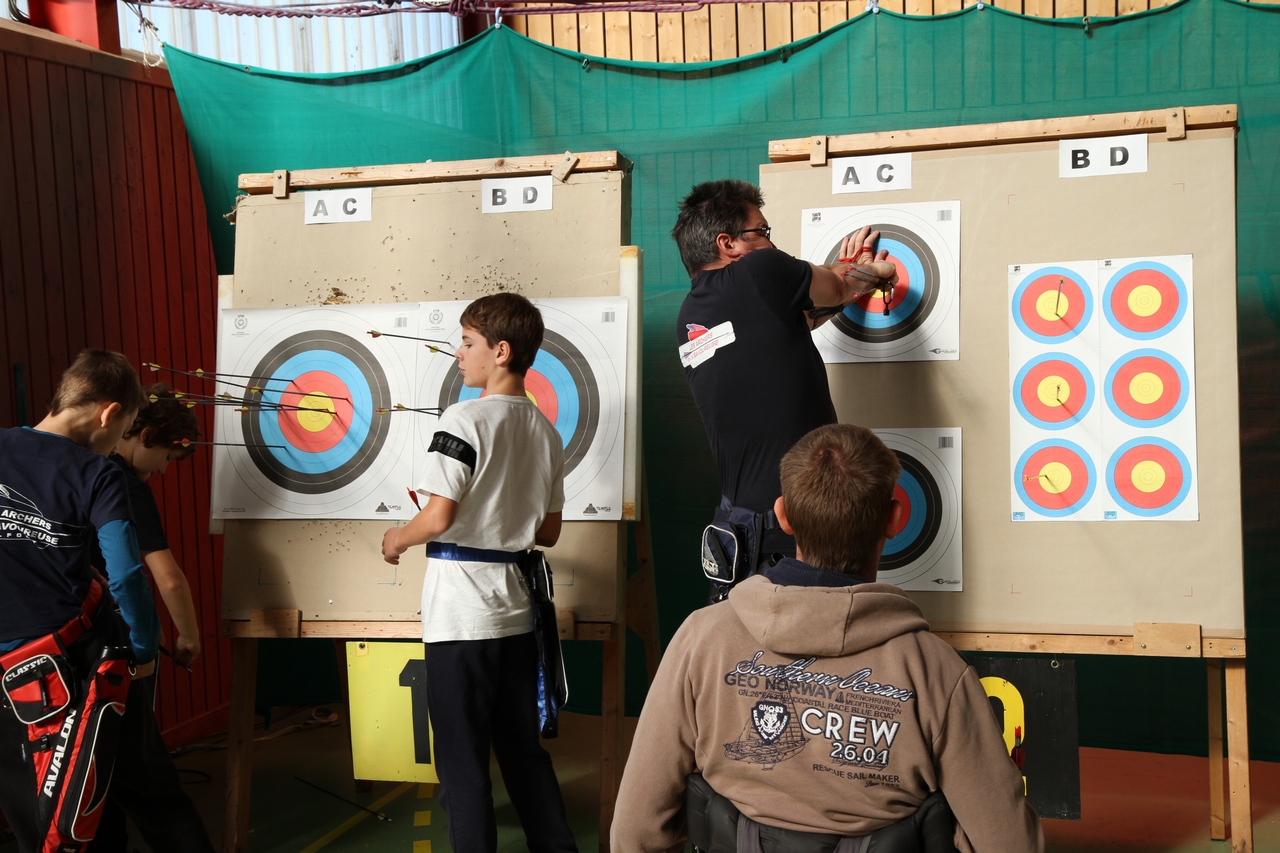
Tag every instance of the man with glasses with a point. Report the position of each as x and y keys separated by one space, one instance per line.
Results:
x=744 y=336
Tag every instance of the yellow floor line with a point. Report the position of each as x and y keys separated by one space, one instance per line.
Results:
x=425 y=790
x=346 y=825
x=422 y=818
x=422 y=847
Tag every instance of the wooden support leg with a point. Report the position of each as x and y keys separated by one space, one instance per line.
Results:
x=244 y=679
x=1217 y=793
x=1238 y=758
x=612 y=705
x=642 y=593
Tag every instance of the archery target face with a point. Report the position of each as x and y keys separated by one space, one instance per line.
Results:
x=576 y=381
x=922 y=317
x=1145 y=300
x=1149 y=476
x=1055 y=478
x=1053 y=391
x=313 y=442
x=1147 y=388
x=1052 y=305
x=927 y=551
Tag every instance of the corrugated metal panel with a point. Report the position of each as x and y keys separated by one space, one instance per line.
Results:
x=291 y=44
x=104 y=243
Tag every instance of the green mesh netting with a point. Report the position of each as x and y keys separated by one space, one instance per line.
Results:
x=501 y=94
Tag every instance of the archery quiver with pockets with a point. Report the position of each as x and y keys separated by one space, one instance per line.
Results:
x=553 y=684
x=69 y=689
x=716 y=826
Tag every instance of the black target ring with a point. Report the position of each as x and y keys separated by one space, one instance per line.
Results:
x=567 y=372
x=922 y=300
x=917 y=480
x=295 y=469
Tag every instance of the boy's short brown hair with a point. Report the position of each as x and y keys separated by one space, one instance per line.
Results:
x=837 y=488
x=508 y=317
x=167 y=418
x=99 y=376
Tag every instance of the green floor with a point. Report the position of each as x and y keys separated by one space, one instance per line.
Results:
x=1132 y=802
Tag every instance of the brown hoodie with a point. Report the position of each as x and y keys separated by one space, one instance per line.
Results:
x=822 y=709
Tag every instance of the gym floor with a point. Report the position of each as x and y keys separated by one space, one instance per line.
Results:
x=1132 y=802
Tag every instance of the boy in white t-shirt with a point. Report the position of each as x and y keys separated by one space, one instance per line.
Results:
x=495 y=476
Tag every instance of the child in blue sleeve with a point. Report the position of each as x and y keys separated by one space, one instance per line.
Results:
x=56 y=489
x=145 y=783
x=495 y=476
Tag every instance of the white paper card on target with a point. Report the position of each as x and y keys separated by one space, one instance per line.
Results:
x=872 y=173
x=578 y=380
x=516 y=195
x=301 y=429
x=927 y=551
x=329 y=206
x=919 y=319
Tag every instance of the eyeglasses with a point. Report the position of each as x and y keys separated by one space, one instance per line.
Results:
x=766 y=231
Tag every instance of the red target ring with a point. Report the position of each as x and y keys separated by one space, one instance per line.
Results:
x=1148 y=476
x=1055 y=478
x=1146 y=388
x=1054 y=391
x=900 y=495
x=543 y=393
x=315 y=431
x=1145 y=300
x=1052 y=305
x=875 y=304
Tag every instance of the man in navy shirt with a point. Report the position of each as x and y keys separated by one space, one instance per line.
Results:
x=744 y=335
x=56 y=489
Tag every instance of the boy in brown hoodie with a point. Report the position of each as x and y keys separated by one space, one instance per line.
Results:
x=816 y=699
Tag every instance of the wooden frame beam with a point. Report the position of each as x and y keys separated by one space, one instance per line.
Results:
x=261 y=183
x=1035 y=130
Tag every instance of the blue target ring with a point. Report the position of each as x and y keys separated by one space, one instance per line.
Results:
x=915 y=293
x=561 y=371
x=333 y=358
x=357 y=431
x=915 y=524
x=567 y=405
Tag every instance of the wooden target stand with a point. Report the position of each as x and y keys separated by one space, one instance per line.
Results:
x=585 y=178
x=1230 y=802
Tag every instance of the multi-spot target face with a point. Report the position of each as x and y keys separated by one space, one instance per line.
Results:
x=926 y=551
x=302 y=422
x=918 y=319
x=1137 y=352
x=576 y=381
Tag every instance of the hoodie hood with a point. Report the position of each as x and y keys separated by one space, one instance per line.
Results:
x=810 y=621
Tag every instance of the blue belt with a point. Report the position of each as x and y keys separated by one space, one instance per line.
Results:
x=449 y=551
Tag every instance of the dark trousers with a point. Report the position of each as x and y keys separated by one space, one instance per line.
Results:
x=145 y=785
x=483 y=694
x=18 y=783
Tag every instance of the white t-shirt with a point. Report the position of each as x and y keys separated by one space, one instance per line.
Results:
x=503 y=462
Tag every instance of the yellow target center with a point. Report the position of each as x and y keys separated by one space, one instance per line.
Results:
x=316 y=412
x=1147 y=476
x=1146 y=388
x=1052 y=305
x=1144 y=300
x=1053 y=391
x=1055 y=478
x=529 y=394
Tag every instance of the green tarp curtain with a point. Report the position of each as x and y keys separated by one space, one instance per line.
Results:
x=501 y=94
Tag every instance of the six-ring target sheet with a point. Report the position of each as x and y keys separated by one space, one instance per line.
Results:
x=920 y=319
x=1102 y=369
x=306 y=439
x=577 y=381
x=926 y=552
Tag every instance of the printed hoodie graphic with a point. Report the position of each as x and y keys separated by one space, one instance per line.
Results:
x=20 y=518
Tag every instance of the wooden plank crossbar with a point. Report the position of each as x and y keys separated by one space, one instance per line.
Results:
x=392 y=630
x=1075 y=644
x=261 y=183
x=1174 y=121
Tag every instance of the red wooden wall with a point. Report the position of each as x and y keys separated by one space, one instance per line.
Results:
x=104 y=243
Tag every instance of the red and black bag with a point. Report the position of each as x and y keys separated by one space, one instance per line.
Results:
x=69 y=688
